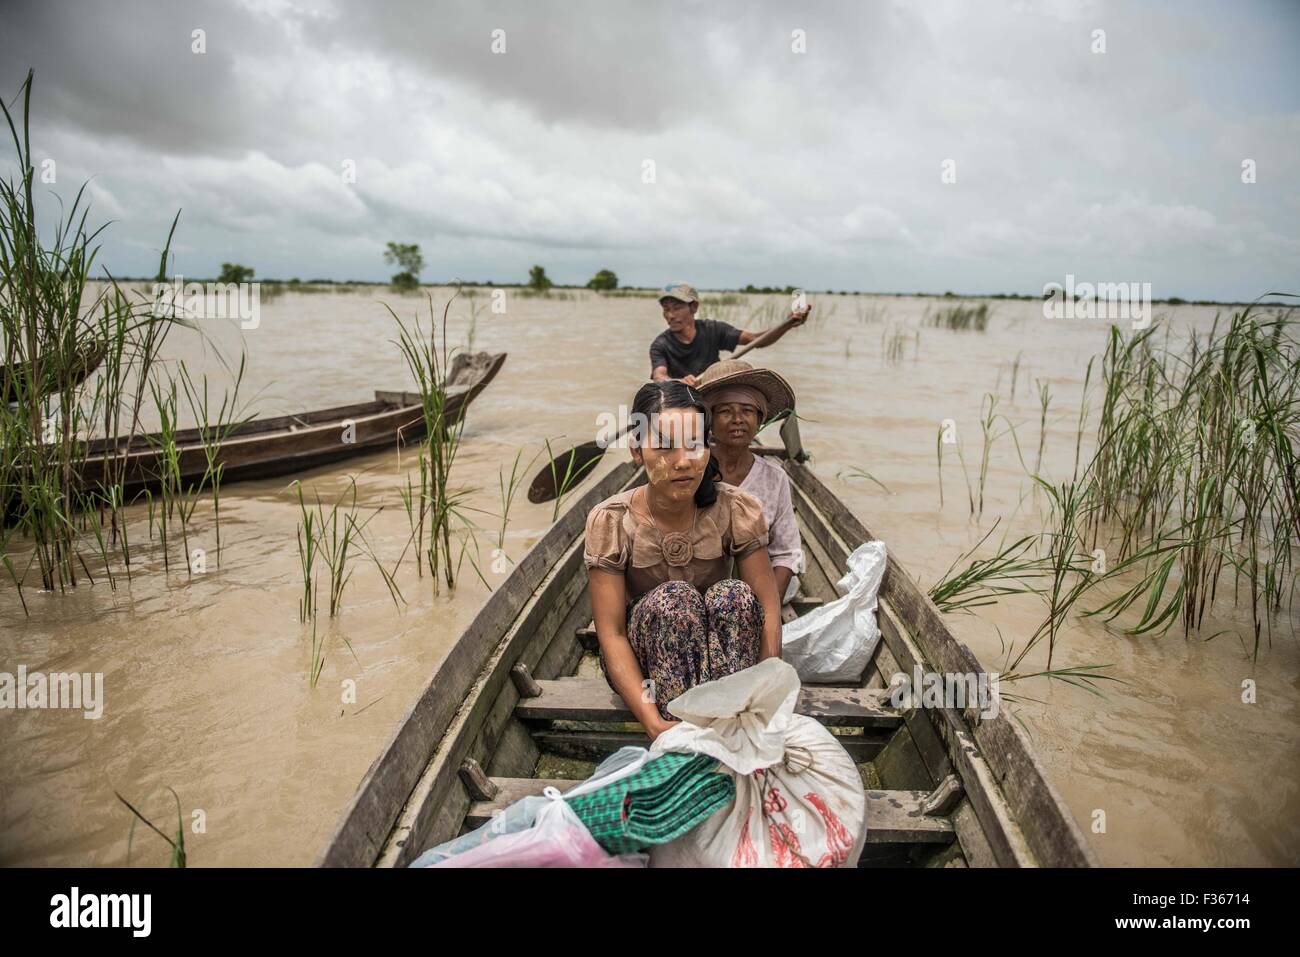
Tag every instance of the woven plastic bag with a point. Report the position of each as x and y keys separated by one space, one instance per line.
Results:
x=523 y=813
x=799 y=797
x=835 y=642
x=556 y=839
x=516 y=817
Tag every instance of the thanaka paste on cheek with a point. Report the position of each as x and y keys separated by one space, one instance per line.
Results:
x=657 y=469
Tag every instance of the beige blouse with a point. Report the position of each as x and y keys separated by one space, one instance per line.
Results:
x=623 y=541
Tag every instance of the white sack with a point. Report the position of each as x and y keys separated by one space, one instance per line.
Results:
x=799 y=798
x=833 y=643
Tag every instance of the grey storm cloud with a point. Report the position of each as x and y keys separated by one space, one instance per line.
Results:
x=820 y=168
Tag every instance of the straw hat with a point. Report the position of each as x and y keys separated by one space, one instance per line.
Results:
x=727 y=373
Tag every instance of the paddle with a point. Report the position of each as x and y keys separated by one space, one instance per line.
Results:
x=763 y=339
x=569 y=468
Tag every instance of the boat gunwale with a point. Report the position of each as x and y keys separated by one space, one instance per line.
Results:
x=1015 y=786
x=364 y=829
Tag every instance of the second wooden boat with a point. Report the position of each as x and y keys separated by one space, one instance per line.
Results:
x=519 y=704
x=265 y=448
x=86 y=361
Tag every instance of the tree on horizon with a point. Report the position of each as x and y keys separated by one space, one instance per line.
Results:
x=408 y=258
x=538 y=280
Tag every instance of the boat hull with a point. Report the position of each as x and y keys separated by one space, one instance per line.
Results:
x=284 y=445
x=518 y=705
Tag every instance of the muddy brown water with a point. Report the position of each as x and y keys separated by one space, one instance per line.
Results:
x=206 y=677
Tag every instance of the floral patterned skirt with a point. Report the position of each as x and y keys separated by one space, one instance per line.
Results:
x=683 y=638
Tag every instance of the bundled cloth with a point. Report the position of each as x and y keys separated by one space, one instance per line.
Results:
x=665 y=798
x=799 y=797
x=546 y=831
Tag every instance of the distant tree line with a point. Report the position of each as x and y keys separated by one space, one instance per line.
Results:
x=410 y=260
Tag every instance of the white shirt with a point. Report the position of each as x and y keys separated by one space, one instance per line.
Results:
x=768 y=483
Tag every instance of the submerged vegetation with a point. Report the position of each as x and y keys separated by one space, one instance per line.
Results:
x=961 y=317
x=432 y=507
x=177 y=844
x=894 y=340
x=1189 y=499
x=67 y=372
x=1195 y=473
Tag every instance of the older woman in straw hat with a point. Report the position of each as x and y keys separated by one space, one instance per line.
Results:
x=741 y=399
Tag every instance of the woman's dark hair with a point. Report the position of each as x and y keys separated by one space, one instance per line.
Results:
x=674 y=394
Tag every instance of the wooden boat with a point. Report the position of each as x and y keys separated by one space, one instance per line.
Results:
x=520 y=704
x=87 y=361
x=264 y=448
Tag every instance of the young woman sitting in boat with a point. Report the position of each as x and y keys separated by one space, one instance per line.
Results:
x=658 y=557
x=740 y=400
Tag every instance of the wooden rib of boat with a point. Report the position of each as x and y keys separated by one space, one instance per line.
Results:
x=265 y=448
x=520 y=704
x=87 y=360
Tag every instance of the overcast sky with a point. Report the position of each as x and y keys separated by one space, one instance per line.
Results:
x=821 y=169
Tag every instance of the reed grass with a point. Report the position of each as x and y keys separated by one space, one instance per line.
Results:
x=938 y=456
x=765 y=315
x=332 y=537
x=982 y=581
x=1191 y=485
x=566 y=475
x=960 y=318
x=508 y=488
x=178 y=858
x=433 y=508
x=961 y=458
x=1195 y=469
x=893 y=343
x=989 y=435
x=67 y=371
x=858 y=473
x=177 y=499
x=1015 y=376
x=722 y=299
x=1044 y=402
x=213 y=434
x=317 y=664
x=870 y=314
x=1069 y=566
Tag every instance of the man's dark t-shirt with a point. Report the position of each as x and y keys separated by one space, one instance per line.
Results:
x=692 y=358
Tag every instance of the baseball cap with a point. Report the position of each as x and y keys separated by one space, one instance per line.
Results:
x=679 y=290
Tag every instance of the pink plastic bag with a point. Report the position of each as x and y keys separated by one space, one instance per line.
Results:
x=556 y=839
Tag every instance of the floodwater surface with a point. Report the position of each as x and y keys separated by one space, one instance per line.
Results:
x=207 y=677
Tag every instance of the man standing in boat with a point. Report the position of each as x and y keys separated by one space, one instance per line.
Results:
x=689 y=345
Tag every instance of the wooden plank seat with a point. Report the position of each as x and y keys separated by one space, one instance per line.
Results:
x=591 y=744
x=893 y=817
x=591 y=699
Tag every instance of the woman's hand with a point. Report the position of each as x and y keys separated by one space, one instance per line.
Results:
x=659 y=727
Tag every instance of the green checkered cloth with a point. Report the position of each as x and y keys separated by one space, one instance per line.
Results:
x=667 y=797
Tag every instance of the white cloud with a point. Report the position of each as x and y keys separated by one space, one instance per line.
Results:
x=820 y=169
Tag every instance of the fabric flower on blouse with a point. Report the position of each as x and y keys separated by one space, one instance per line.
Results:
x=622 y=540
